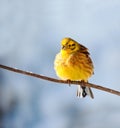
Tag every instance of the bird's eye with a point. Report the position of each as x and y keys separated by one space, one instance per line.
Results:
x=72 y=46
x=69 y=45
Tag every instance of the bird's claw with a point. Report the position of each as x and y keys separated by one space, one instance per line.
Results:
x=69 y=82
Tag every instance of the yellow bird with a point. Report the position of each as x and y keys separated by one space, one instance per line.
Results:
x=74 y=63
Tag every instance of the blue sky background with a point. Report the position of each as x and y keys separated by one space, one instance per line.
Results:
x=30 y=35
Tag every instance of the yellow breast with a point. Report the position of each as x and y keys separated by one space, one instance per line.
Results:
x=75 y=66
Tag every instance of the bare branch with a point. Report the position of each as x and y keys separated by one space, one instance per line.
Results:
x=60 y=81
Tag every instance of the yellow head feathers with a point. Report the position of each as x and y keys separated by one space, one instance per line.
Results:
x=70 y=46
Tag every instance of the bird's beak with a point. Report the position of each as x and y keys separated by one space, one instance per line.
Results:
x=64 y=47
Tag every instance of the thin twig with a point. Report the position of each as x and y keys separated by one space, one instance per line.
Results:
x=60 y=81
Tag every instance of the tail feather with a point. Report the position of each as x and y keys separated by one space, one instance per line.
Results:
x=84 y=91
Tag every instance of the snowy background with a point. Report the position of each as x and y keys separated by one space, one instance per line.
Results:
x=30 y=35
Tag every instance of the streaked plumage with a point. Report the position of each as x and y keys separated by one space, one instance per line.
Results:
x=74 y=63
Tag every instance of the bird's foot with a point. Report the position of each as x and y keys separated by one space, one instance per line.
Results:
x=69 y=82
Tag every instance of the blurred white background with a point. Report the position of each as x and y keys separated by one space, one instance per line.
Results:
x=30 y=35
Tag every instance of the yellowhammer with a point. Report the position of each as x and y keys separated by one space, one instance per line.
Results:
x=74 y=63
